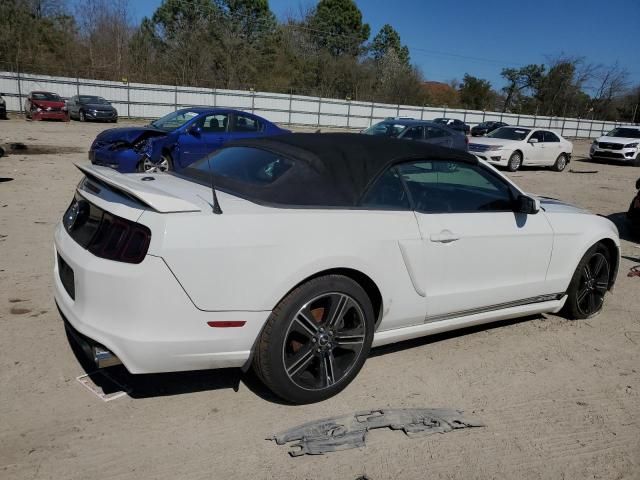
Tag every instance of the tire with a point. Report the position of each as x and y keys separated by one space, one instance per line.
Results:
x=561 y=163
x=589 y=284
x=165 y=165
x=315 y=340
x=515 y=161
x=636 y=162
x=81 y=116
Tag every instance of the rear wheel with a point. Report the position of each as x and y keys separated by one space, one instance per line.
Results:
x=316 y=340
x=589 y=284
x=515 y=161
x=561 y=163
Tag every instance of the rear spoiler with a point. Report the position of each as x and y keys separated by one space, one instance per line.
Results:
x=133 y=187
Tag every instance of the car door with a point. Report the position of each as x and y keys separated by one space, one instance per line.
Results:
x=437 y=136
x=479 y=254
x=206 y=134
x=552 y=147
x=534 y=151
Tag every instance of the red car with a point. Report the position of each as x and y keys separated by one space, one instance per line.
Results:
x=46 y=106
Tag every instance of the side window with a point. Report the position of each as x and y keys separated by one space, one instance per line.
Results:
x=387 y=193
x=539 y=135
x=455 y=187
x=215 y=123
x=246 y=124
x=414 y=133
x=550 y=137
x=435 y=132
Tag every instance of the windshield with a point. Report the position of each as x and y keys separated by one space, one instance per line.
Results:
x=173 y=120
x=388 y=129
x=50 y=97
x=92 y=99
x=508 y=133
x=485 y=124
x=625 y=132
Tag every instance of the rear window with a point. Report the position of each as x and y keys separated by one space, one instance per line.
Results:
x=243 y=164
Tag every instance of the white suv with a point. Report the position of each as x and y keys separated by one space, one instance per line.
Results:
x=621 y=143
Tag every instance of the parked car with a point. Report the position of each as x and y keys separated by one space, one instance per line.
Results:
x=512 y=147
x=3 y=108
x=311 y=249
x=633 y=214
x=91 y=107
x=454 y=124
x=421 y=130
x=486 y=127
x=621 y=143
x=176 y=140
x=46 y=106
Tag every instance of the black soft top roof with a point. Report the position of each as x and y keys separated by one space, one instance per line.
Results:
x=330 y=169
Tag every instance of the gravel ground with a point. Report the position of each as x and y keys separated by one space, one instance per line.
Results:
x=560 y=399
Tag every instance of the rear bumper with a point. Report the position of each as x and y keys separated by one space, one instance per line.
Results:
x=141 y=314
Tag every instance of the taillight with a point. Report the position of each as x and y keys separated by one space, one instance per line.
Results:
x=120 y=239
x=104 y=234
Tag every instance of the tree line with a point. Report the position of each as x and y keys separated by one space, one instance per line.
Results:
x=327 y=51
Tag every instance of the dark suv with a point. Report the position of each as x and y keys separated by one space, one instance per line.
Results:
x=420 y=130
x=454 y=124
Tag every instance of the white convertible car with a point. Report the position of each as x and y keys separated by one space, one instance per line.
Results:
x=513 y=147
x=311 y=249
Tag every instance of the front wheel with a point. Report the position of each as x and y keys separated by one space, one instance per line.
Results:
x=82 y=116
x=164 y=165
x=316 y=340
x=515 y=161
x=589 y=284
x=561 y=163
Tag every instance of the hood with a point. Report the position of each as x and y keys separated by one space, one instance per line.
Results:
x=48 y=103
x=99 y=106
x=492 y=141
x=129 y=134
x=553 y=205
x=622 y=140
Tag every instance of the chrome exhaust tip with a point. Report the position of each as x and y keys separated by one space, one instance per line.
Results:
x=104 y=358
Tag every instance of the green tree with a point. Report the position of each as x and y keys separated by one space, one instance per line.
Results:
x=476 y=93
x=519 y=81
x=389 y=39
x=337 y=26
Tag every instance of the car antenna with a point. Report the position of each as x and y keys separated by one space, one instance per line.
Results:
x=215 y=207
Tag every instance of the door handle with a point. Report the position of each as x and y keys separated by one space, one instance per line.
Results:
x=445 y=236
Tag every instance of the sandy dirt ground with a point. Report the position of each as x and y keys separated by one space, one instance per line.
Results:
x=560 y=399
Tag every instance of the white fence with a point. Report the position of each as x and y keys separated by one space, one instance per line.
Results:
x=139 y=100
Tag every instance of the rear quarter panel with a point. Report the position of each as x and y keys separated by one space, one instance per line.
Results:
x=250 y=261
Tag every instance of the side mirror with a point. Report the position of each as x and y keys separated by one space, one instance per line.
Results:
x=533 y=140
x=527 y=205
x=195 y=131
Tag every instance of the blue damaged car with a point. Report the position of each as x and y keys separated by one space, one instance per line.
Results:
x=176 y=140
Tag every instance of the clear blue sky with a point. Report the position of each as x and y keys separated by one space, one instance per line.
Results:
x=448 y=38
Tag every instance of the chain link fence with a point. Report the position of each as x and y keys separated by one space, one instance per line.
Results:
x=142 y=100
